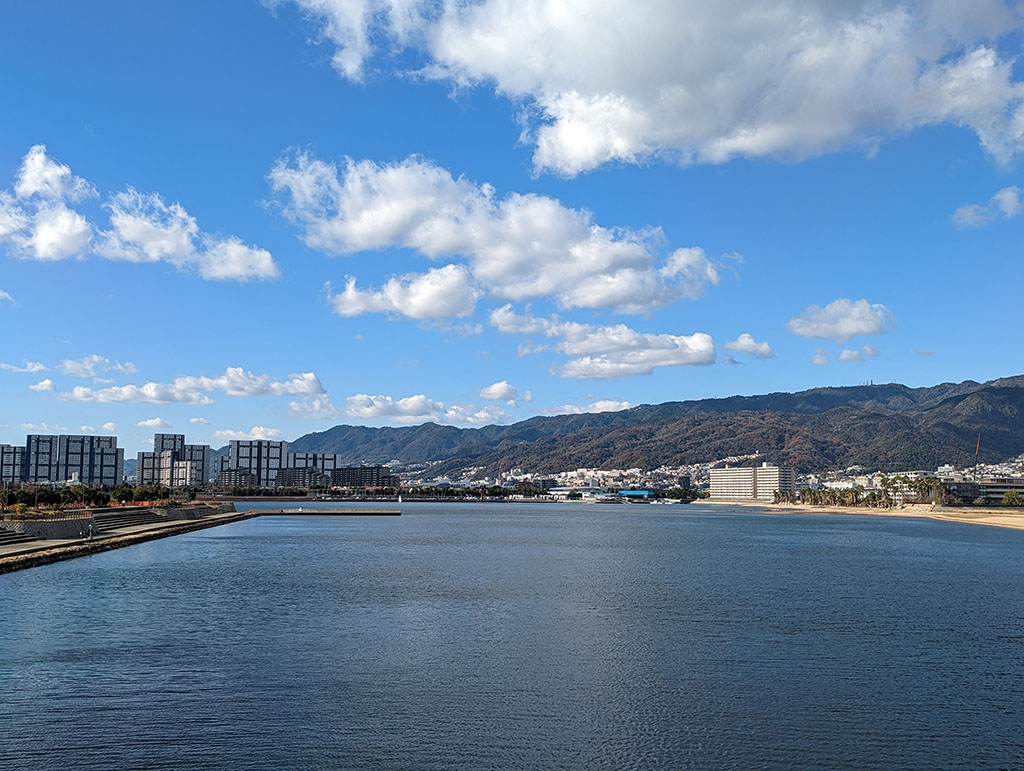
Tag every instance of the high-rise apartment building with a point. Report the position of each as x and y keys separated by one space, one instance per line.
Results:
x=174 y=463
x=88 y=460
x=751 y=484
x=261 y=457
x=12 y=463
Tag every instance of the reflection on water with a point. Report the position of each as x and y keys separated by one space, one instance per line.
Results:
x=562 y=636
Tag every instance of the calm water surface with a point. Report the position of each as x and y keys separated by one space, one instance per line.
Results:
x=524 y=636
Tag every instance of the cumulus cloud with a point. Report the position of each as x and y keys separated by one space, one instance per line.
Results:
x=841 y=319
x=440 y=293
x=745 y=343
x=153 y=423
x=608 y=351
x=256 y=432
x=502 y=391
x=601 y=405
x=820 y=358
x=109 y=426
x=94 y=364
x=188 y=389
x=44 y=428
x=43 y=386
x=1005 y=204
x=420 y=409
x=199 y=421
x=313 y=408
x=37 y=223
x=6 y=297
x=703 y=82
x=518 y=247
x=860 y=354
x=26 y=366
x=146 y=229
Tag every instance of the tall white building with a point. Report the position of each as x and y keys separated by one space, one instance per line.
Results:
x=733 y=484
x=751 y=484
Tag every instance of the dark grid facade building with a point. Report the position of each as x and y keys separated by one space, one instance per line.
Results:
x=41 y=456
x=92 y=460
x=261 y=457
x=321 y=460
x=364 y=476
x=309 y=476
x=12 y=463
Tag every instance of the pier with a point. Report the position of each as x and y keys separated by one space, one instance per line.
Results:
x=117 y=528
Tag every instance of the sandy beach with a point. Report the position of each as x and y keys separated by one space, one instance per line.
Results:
x=1009 y=518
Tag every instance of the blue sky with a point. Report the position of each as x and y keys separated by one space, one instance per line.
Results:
x=263 y=219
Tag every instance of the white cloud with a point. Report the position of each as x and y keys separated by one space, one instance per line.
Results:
x=37 y=221
x=90 y=366
x=38 y=224
x=864 y=352
x=706 y=82
x=518 y=247
x=609 y=351
x=440 y=293
x=841 y=319
x=601 y=405
x=820 y=358
x=239 y=382
x=43 y=386
x=27 y=366
x=188 y=389
x=313 y=408
x=745 y=343
x=256 y=432
x=56 y=233
x=199 y=421
x=109 y=426
x=153 y=423
x=42 y=176
x=148 y=393
x=146 y=229
x=420 y=409
x=501 y=391
x=1005 y=204
x=6 y=297
x=44 y=428
x=87 y=429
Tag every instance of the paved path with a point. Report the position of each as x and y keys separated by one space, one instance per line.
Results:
x=40 y=552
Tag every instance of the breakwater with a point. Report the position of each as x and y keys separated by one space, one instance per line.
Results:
x=176 y=522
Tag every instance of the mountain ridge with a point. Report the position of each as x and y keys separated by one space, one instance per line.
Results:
x=886 y=426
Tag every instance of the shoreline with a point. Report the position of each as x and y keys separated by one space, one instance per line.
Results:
x=1009 y=520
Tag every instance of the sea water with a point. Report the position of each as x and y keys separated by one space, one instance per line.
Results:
x=524 y=636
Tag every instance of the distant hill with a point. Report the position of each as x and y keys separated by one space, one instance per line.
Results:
x=888 y=427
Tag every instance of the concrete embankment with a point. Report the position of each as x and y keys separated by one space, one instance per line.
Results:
x=315 y=512
x=43 y=552
x=117 y=528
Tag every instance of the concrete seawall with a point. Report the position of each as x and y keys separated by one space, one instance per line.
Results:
x=179 y=520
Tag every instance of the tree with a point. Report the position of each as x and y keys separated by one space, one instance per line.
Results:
x=1013 y=498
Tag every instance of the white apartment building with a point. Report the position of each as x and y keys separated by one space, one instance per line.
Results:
x=751 y=484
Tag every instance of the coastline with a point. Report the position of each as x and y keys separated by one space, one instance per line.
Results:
x=965 y=515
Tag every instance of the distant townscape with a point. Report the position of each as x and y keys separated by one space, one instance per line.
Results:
x=265 y=466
